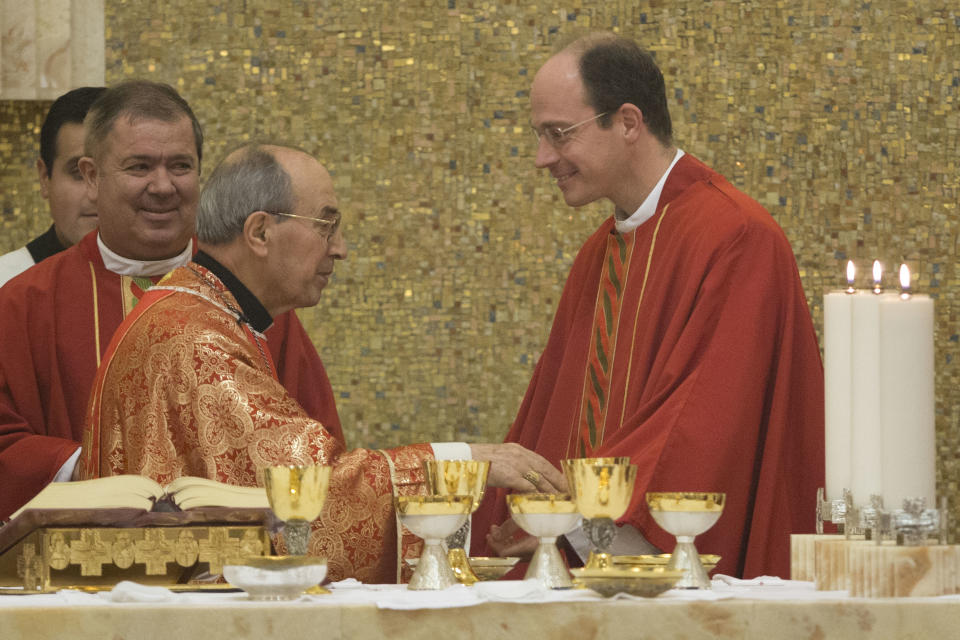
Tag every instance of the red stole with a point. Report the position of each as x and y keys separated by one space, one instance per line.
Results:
x=603 y=346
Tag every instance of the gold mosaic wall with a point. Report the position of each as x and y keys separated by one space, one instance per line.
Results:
x=840 y=116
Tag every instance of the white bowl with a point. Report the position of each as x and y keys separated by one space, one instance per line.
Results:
x=276 y=577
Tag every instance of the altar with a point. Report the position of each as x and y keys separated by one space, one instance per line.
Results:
x=504 y=609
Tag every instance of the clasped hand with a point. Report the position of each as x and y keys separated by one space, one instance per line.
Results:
x=515 y=467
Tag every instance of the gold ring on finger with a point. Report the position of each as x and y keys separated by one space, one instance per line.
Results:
x=533 y=477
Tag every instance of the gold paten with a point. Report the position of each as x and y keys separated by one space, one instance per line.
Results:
x=639 y=581
x=708 y=560
x=486 y=568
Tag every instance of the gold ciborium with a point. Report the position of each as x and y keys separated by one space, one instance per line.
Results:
x=458 y=478
x=296 y=495
x=686 y=515
x=546 y=516
x=433 y=518
x=601 y=489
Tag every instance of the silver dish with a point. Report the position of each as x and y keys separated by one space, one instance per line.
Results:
x=276 y=577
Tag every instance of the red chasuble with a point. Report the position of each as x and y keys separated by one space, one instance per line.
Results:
x=56 y=320
x=187 y=389
x=712 y=379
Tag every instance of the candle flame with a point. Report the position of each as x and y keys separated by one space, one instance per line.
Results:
x=877 y=276
x=904 y=277
x=851 y=272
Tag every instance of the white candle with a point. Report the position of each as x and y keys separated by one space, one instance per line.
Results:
x=866 y=443
x=906 y=385
x=838 y=391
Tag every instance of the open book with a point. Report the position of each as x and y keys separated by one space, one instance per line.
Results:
x=140 y=492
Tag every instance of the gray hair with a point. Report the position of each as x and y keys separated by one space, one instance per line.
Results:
x=254 y=181
x=137 y=100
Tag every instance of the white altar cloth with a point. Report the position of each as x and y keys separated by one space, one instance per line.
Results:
x=782 y=609
x=391 y=596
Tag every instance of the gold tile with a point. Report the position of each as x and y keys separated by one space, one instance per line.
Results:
x=840 y=118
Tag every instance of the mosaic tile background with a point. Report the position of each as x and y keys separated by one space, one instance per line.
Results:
x=839 y=116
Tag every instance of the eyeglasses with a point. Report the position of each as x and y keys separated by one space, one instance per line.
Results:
x=559 y=137
x=325 y=227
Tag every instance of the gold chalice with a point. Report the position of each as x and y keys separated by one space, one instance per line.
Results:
x=601 y=489
x=458 y=478
x=546 y=516
x=296 y=495
x=433 y=518
x=686 y=515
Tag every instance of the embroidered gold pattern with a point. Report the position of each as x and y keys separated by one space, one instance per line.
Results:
x=199 y=399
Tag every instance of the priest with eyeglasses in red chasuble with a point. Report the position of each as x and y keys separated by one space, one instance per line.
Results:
x=682 y=339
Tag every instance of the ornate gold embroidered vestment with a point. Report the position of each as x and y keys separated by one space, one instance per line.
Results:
x=188 y=388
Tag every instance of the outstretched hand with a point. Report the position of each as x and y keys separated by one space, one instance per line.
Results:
x=508 y=540
x=515 y=467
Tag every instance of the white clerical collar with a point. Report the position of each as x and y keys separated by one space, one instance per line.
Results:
x=649 y=206
x=128 y=267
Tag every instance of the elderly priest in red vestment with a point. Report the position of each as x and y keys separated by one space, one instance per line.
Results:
x=143 y=148
x=682 y=339
x=188 y=387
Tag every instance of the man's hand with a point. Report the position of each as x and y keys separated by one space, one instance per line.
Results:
x=518 y=468
x=505 y=541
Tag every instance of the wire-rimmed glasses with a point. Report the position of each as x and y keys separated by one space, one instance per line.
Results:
x=559 y=136
x=325 y=226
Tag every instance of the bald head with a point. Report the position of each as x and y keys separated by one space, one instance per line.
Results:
x=581 y=43
x=281 y=153
x=269 y=214
x=252 y=178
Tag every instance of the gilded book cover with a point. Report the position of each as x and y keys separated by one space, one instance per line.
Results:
x=158 y=542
